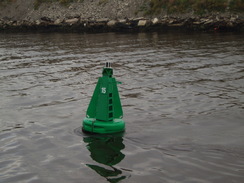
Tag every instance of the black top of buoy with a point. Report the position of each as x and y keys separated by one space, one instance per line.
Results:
x=107 y=70
x=108 y=65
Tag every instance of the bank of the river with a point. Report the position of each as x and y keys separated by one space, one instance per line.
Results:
x=111 y=15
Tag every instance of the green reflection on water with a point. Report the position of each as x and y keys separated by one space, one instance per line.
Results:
x=106 y=150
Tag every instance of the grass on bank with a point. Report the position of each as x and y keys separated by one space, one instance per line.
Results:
x=196 y=6
x=153 y=7
x=5 y=2
x=37 y=3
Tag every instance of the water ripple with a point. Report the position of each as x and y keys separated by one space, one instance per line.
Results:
x=182 y=97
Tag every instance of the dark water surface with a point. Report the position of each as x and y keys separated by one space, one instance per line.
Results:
x=182 y=96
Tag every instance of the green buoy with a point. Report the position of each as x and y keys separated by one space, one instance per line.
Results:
x=104 y=113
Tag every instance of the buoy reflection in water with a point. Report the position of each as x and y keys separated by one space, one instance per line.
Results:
x=106 y=150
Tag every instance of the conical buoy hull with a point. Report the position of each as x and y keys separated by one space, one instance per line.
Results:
x=91 y=125
x=104 y=113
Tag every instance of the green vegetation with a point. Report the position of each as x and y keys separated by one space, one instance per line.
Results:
x=197 y=6
x=63 y=2
x=153 y=7
x=5 y=2
x=102 y=2
x=237 y=5
x=142 y=8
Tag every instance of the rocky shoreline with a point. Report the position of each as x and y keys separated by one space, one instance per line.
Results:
x=77 y=24
x=108 y=16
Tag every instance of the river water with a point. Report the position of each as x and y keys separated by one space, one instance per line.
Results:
x=182 y=96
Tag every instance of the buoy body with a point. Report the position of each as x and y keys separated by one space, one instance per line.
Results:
x=104 y=113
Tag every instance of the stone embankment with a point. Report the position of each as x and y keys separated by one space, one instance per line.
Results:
x=77 y=24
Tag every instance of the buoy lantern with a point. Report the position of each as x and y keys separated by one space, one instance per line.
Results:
x=104 y=114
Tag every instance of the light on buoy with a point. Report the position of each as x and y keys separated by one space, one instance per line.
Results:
x=104 y=113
